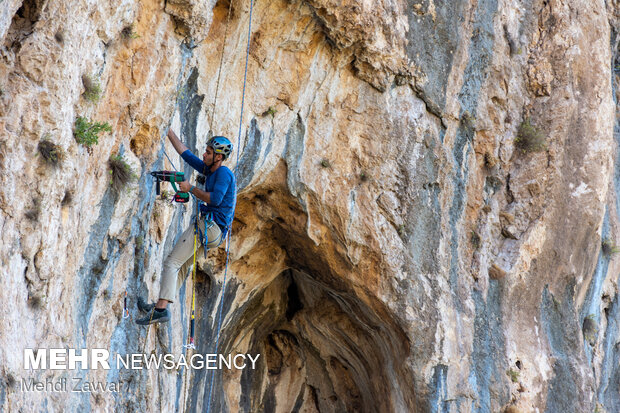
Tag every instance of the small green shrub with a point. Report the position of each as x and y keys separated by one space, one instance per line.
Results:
x=364 y=176
x=92 y=88
x=270 y=112
x=513 y=374
x=129 y=33
x=165 y=195
x=609 y=247
x=87 y=133
x=589 y=328
x=325 y=163
x=120 y=172
x=51 y=153
x=475 y=240
x=468 y=120
x=530 y=138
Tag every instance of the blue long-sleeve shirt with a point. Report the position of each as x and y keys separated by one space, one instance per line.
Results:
x=223 y=188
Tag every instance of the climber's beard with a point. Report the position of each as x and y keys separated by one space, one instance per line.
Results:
x=208 y=160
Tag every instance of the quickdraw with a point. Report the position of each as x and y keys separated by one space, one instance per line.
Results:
x=125 y=309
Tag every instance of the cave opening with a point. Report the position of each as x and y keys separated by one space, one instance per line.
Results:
x=322 y=349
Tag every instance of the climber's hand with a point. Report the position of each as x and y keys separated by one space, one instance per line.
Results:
x=184 y=186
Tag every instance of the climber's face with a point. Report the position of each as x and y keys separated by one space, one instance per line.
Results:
x=210 y=157
x=207 y=157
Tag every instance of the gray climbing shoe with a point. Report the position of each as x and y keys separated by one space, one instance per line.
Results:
x=144 y=306
x=154 y=316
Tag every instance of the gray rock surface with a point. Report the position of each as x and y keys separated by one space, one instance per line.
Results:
x=427 y=213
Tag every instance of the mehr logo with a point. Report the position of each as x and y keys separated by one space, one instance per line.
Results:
x=66 y=359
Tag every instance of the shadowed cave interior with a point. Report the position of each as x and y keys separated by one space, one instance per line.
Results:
x=321 y=350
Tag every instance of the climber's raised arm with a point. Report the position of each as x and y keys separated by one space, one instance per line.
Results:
x=176 y=142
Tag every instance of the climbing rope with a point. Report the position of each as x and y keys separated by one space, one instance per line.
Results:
x=229 y=234
x=219 y=71
x=191 y=345
x=171 y=164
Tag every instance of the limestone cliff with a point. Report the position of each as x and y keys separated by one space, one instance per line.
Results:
x=427 y=216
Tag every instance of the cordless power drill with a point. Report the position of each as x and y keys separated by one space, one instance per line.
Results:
x=172 y=177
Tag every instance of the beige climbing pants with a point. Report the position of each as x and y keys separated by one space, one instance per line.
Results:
x=180 y=258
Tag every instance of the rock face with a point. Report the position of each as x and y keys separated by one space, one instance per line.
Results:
x=427 y=212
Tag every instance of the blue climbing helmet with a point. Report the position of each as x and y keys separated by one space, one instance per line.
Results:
x=221 y=144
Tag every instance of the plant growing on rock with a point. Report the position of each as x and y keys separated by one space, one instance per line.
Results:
x=513 y=374
x=165 y=195
x=92 y=88
x=87 y=132
x=475 y=240
x=270 y=112
x=530 y=138
x=51 y=153
x=128 y=32
x=589 y=329
x=120 y=172
x=609 y=247
x=325 y=163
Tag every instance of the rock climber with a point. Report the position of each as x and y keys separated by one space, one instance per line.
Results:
x=218 y=201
